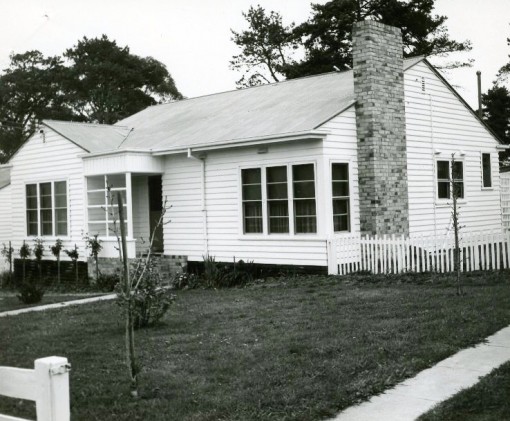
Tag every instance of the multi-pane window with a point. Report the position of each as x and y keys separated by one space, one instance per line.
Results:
x=305 y=216
x=252 y=200
x=486 y=170
x=340 y=188
x=275 y=199
x=46 y=208
x=102 y=204
x=444 y=176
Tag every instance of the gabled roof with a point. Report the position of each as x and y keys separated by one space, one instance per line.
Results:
x=292 y=106
x=295 y=106
x=92 y=138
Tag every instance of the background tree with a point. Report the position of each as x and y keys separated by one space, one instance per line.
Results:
x=266 y=48
x=105 y=83
x=326 y=37
x=95 y=81
x=29 y=91
x=496 y=109
x=496 y=112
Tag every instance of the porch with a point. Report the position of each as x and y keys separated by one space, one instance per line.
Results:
x=141 y=195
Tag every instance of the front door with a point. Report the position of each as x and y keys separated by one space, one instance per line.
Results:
x=155 y=209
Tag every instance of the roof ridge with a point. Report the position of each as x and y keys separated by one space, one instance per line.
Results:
x=84 y=123
x=420 y=57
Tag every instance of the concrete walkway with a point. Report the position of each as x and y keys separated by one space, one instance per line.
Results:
x=412 y=398
x=58 y=305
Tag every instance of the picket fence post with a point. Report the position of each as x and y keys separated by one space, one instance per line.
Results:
x=47 y=384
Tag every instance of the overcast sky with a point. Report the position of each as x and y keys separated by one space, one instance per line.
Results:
x=192 y=37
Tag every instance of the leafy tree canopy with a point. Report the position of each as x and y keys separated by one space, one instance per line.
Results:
x=105 y=83
x=326 y=38
x=95 y=81
x=496 y=108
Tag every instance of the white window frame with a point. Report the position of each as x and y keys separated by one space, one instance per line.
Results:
x=128 y=217
x=290 y=194
x=491 y=187
x=332 y=197
x=53 y=234
x=442 y=200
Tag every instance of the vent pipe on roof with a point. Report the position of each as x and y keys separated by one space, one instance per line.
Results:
x=479 y=78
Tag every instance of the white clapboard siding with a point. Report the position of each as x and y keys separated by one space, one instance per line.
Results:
x=341 y=145
x=49 y=158
x=5 y=223
x=483 y=250
x=185 y=235
x=437 y=121
x=505 y=199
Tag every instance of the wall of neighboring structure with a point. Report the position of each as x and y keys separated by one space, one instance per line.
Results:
x=437 y=125
x=505 y=198
x=5 y=222
x=184 y=235
x=44 y=159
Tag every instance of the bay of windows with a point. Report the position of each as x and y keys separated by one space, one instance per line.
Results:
x=102 y=206
x=46 y=208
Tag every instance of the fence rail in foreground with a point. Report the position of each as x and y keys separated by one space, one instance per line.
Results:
x=47 y=384
x=397 y=254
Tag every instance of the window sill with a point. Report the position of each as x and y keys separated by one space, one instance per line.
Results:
x=448 y=203
x=487 y=188
x=296 y=237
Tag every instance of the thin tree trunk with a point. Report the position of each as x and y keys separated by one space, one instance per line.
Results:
x=129 y=325
x=10 y=263
x=58 y=269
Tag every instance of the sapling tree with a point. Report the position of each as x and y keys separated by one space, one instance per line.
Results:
x=131 y=294
x=55 y=250
x=38 y=254
x=7 y=252
x=24 y=253
x=74 y=255
x=456 y=188
x=94 y=245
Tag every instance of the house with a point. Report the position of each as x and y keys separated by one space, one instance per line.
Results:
x=266 y=173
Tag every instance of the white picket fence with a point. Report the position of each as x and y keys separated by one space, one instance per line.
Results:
x=47 y=384
x=397 y=254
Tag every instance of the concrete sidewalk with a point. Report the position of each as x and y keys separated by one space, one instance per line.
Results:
x=413 y=397
x=58 y=305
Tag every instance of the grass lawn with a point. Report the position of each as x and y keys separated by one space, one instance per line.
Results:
x=488 y=400
x=292 y=349
x=9 y=301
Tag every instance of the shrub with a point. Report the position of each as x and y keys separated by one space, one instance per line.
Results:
x=226 y=276
x=30 y=293
x=149 y=299
x=107 y=282
x=185 y=281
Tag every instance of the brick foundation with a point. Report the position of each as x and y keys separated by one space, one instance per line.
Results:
x=380 y=122
x=167 y=265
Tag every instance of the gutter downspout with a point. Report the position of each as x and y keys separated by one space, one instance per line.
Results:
x=203 y=201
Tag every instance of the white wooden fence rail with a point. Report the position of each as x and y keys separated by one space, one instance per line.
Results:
x=47 y=384
x=397 y=254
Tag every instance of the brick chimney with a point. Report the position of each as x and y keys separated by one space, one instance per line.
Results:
x=380 y=122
